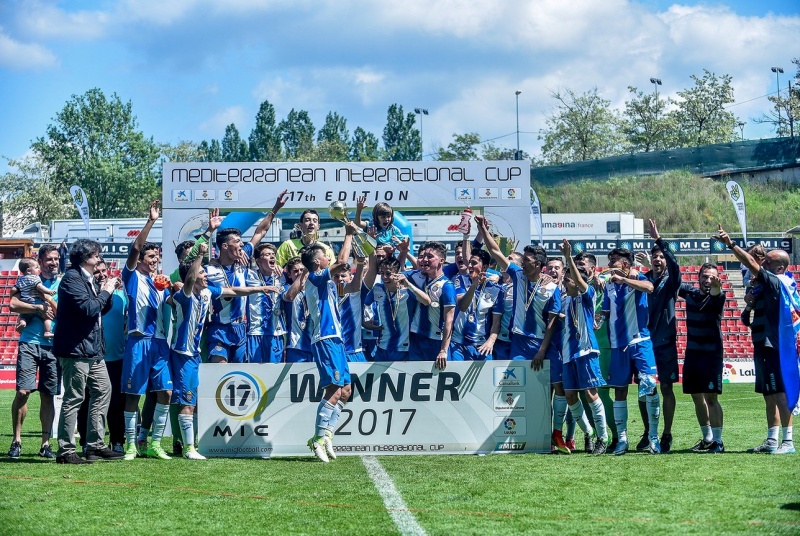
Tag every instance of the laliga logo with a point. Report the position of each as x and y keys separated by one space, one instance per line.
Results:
x=510 y=424
x=241 y=395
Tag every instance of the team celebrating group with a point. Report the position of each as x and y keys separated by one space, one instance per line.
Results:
x=301 y=302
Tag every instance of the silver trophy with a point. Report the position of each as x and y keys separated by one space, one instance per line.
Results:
x=363 y=244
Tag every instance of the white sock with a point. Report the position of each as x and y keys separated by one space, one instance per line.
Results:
x=717 y=434
x=160 y=417
x=599 y=417
x=621 y=419
x=130 y=426
x=337 y=412
x=324 y=413
x=654 y=414
x=773 y=433
x=187 y=429
x=707 y=432
x=559 y=411
x=787 y=434
x=579 y=415
x=143 y=433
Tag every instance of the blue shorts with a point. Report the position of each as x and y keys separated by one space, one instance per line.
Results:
x=384 y=356
x=293 y=355
x=466 y=352
x=525 y=348
x=228 y=341
x=583 y=372
x=423 y=349
x=355 y=357
x=634 y=359
x=331 y=362
x=264 y=349
x=369 y=348
x=501 y=350
x=145 y=365
x=185 y=378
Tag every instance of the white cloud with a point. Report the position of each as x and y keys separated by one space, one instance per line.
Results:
x=24 y=55
x=215 y=125
x=46 y=20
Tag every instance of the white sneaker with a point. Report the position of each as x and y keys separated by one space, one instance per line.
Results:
x=328 y=439
x=317 y=446
x=192 y=454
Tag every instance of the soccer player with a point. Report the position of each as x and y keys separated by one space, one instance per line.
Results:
x=431 y=325
x=770 y=276
x=145 y=363
x=536 y=308
x=480 y=309
x=625 y=307
x=580 y=354
x=351 y=293
x=227 y=331
x=266 y=325
x=309 y=229
x=392 y=298
x=502 y=346
x=702 y=364
x=327 y=345
x=295 y=313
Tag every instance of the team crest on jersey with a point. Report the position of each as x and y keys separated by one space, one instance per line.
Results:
x=219 y=347
x=336 y=375
x=130 y=383
x=189 y=396
x=205 y=298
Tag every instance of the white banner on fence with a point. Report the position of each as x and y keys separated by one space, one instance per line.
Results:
x=261 y=410
x=738 y=371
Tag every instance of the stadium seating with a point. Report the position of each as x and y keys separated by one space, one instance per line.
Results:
x=8 y=320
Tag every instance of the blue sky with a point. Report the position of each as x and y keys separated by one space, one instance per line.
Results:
x=190 y=67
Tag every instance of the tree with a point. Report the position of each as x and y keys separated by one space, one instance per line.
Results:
x=95 y=143
x=183 y=151
x=265 y=139
x=490 y=151
x=786 y=107
x=401 y=140
x=297 y=135
x=31 y=193
x=332 y=139
x=364 y=147
x=210 y=152
x=581 y=127
x=234 y=148
x=463 y=147
x=644 y=122
x=701 y=117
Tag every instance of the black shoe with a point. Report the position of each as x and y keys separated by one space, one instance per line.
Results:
x=643 y=444
x=611 y=447
x=588 y=443
x=177 y=449
x=701 y=446
x=46 y=452
x=71 y=458
x=716 y=448
x=600 y=447
x=666 y=443
x=15 y=451
x=104 y=453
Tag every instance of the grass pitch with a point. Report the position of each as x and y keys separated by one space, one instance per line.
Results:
x=682 y=492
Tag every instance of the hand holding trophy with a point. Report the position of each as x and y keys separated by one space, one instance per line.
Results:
x=363 y=244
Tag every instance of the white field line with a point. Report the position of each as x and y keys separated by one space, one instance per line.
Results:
x=404 y=520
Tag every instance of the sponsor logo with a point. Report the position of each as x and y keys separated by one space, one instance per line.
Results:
x=241 y=395
x=734 y=191
x=488 y=193
x=511 y=445
x=509 y=401
x=228 y=195
x=465 y=194
x=181 y=196
x=510 y=193
x=205 y=195
x=508 y=376
x=510 y=426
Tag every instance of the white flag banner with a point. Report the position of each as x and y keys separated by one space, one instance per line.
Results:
x=737 y=197
x=536 y=212
x=82 y=204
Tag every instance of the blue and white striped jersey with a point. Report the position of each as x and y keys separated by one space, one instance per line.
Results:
x=532 y=305
x=392 y=310
x=473 y=325
x=192 y=311
x=229 y=309
x=145 y=304
x=264 y=311
x=351 y=314
x=295 y=314
x=428 y=320
x=628 y=314
x=508 y=309
x=577 y=326
x=323 y=306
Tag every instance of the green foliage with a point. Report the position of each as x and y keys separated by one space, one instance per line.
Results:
x=31 y=193
x=644 y=122
x=234 y=148
x=265 y=139
x=490 y=151
x=581 y=127
x=333 y=139
x=785 y=116
x=679 y=201
x=401 y=141
x=701 y=117
x=364 y=147
x=297 y=135
x=463 y=147
x=94 y=143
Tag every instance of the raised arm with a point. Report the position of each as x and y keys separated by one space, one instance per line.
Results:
x=141 y=238
x=361 y=202
x=673 y=268
x=491 y=245
x=372 y=271
x=566 y=250
x=263 y=227
x=743 y=256
x=297 y=285
x=355 y=284
x=347 y=246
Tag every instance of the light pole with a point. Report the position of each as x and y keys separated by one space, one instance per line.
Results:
x=740 y=124
x=517 y=155
x=420 y=112
x=656 y=82
x=778 y=72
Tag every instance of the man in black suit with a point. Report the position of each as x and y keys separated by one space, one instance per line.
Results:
x=79 y=346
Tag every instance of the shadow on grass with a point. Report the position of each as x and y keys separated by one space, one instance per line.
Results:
x=791 y=506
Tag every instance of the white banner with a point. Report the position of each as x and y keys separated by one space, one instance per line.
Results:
x=736 y=194
x=536 y=212
x=263 y=410
x=738 y=372
x=82 y=204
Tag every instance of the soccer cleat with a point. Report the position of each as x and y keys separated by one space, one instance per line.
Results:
x=570 y=443
x=622 y=447
x=643 y=444
x=666 y=443
x=600 y=447
x=716 y=448
x=192 y=454
x=557 y=442
x=328 y=439
x=15 y=451
x=46 y=452
x=72 y=458
x=701 y=446
x=767 y=447
x=787 y=447
x=611 y=447
x=155 y=450
x=118 y=448
x=588 y=442
x=317 y=446
x=177 y=449
x=130 y=451
x=141 y=448
x=654 y=447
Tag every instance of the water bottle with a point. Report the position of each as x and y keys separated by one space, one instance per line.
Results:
x=464 y=225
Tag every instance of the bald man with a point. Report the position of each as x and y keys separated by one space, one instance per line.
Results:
x=769 y=381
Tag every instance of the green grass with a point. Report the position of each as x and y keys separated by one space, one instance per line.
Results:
x=504 y=494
